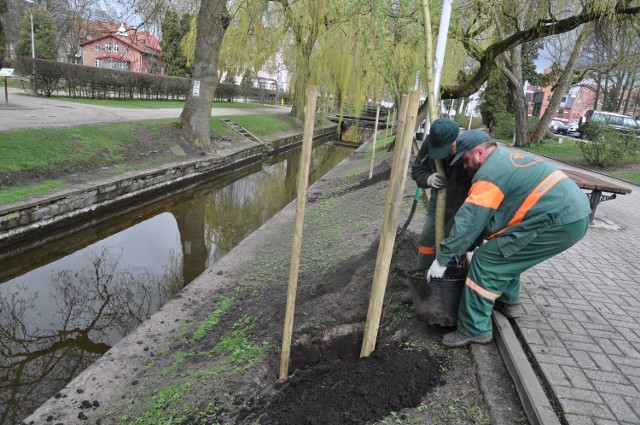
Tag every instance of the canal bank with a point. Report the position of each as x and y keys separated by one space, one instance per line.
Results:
x=20 y=221
x=67 y=301
x=211 y=354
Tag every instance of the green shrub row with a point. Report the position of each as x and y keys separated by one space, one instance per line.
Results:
x=51 y=77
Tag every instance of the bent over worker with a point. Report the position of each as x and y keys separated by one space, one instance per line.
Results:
x=527 y=209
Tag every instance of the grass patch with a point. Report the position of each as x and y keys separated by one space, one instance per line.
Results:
x=166 y=407
x=213 y=318
x=262 y=125
x=568 y=151
x=142 y=103
x=36 y=161
x=22 y=192
x=630 y=173
x=58 y=151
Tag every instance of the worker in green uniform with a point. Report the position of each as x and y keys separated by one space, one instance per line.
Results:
x=528 y=211
x=438 y=146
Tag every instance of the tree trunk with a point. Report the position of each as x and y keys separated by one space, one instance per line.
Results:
x=211 y=23
x=433 y=115
x=628 y=90
x=597 y=97
x=511 y=67
x=561 y=87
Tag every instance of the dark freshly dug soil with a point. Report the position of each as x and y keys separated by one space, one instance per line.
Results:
x=353 y=393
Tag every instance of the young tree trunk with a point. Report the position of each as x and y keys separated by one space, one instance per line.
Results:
x=211 y=23
x=433 y=115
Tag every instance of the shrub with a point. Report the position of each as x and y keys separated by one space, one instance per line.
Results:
x=606 y=146
x=503 y=126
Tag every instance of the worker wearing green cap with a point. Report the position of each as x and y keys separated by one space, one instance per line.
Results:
x=438 y=146
x=527 y=209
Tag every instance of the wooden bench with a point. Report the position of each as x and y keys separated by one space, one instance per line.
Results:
x=597 y=186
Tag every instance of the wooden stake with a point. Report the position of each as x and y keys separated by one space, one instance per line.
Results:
x=406 y=128
x=303 y=179
x=373 y=146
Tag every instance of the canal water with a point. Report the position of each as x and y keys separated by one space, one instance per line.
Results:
x=64 y=304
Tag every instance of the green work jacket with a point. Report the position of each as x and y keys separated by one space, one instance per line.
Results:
x=458 y=182
x=513 y=198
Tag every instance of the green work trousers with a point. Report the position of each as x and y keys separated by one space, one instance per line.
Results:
x=492 y=276
x=426 y=251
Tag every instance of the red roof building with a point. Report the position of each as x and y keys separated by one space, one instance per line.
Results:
x=125 y=49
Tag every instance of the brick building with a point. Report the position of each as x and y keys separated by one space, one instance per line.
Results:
x=124 y=49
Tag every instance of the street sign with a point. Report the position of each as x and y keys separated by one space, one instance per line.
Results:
x=6 y=72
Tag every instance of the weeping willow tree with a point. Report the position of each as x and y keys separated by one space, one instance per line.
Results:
x=253 y=40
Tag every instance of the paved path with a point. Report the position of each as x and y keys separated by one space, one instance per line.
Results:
x=583 y=321
x=27 y=111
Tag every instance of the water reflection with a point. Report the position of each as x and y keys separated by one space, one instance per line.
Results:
x=99 y=284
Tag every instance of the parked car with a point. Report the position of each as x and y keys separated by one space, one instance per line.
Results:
x=553 y=127
x=623 y=124
x=570 y=129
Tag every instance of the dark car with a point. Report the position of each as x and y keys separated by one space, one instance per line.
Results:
x=570 y=129
x=623 y=124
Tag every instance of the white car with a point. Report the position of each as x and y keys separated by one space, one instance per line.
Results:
x=553 y=127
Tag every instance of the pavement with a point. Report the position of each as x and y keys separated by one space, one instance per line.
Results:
x=24 y=111
x=579 y=343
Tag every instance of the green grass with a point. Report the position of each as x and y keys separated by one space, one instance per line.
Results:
x=262 y=125
x=22 y=192
x=52 y=154
x=141 y=103
x=50 y=150
x=629 y=174
x=15 y=83
x=568 y=151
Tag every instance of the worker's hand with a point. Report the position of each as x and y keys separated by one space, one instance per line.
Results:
x=436 y=271
x=436 y=181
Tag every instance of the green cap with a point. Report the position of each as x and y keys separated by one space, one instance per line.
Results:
x=469 y=140
x=442 y=134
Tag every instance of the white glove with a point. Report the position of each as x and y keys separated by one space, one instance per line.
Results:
x=436 y=271
x=436 y=181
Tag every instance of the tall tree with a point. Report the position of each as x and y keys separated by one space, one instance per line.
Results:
x=44 y=30
x=174 y=29
x=561 y=85
x=74 y=27
x=212 y=21
x=3 y=9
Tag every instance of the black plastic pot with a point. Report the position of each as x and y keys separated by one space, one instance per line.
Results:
x=436 y=302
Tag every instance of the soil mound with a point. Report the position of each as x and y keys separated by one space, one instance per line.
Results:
x=352 y=393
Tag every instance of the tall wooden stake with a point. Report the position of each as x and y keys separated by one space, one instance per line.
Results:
x=373 y=146
x=303 y=179
x=395 y=193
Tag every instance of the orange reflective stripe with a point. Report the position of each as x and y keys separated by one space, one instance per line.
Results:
x=533 y=198
x=485 y=194
x=427 y=250
x=515 y=156
x=481 y=291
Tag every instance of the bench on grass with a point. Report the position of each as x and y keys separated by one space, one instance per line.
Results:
x=597 y=186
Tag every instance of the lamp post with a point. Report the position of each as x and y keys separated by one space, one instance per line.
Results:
x=33 y=44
